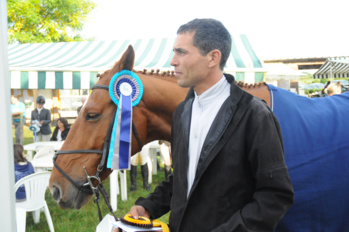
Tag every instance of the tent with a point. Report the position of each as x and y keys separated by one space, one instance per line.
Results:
x=281 y=71
x=337 y=67
x=282 y=75
x=74 y=65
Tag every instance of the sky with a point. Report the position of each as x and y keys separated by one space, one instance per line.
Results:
x=276 y=29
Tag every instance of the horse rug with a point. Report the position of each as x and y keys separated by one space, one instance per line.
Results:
x=316 y=141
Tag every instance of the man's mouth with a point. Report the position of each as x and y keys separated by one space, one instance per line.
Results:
x=177 y=73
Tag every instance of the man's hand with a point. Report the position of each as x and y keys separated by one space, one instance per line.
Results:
x=136 y=211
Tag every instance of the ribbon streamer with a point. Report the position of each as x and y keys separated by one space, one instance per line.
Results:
x=125 y=133
x=114 y=144
x=125 y=90
x=120 y=146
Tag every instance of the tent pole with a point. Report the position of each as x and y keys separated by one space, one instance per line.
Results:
x=7 y=210
x=331 y=71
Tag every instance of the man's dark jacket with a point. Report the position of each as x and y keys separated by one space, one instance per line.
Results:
x=45 y=116
x=241 y=182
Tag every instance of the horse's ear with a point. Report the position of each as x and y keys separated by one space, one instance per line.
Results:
x=127 y=60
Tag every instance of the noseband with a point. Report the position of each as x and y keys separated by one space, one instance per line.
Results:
x=88 y=186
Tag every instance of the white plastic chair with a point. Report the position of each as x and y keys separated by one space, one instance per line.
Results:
x=35 y=188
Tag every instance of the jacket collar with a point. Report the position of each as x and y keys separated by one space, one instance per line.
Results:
x=234 y=89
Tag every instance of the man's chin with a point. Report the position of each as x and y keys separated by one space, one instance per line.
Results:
x=182 y=83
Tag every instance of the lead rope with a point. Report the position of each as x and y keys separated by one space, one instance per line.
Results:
x=96 y=201
x=106 y=199
x=96 y=191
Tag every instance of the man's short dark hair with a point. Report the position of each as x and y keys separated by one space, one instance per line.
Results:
x=209 y=34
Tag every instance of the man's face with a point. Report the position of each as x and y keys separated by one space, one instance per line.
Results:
x=40 y=105
x=191 y=68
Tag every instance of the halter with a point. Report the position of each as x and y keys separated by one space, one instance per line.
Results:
x=88 y=186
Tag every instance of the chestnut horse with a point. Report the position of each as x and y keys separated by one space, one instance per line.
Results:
x=311 y=170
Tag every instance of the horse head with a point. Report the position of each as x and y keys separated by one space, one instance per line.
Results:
x=87 y=138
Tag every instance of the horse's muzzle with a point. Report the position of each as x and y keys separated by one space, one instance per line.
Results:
x=70 y=198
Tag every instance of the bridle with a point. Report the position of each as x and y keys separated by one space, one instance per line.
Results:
x=88 y=187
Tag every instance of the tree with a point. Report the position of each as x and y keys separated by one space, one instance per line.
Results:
x=44 y=21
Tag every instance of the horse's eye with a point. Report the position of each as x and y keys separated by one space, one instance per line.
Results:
x=92 y=116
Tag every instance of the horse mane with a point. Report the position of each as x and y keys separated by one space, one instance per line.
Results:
x=159 y=74
x=164 y=75
x=251 y=86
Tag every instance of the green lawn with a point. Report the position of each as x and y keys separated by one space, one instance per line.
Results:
x=86 y=219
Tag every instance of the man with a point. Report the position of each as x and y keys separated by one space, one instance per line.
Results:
x=18 y=108
x=41 y=117
x=229 y=172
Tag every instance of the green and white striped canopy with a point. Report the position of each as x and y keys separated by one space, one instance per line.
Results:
x=74 y=65
x=334 y=67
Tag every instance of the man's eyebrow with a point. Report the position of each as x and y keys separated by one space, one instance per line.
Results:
x=178 y=50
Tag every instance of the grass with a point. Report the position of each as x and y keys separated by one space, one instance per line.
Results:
x=86 y=218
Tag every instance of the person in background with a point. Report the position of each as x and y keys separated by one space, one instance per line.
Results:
x=23 y=168
x=229 y=172
x=83 y=100
x=323 y=94
x=41 y=117
x=333 y=88
x=61 y=131
x=17 y=108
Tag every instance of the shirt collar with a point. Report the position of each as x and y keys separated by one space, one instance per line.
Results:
x=212 y=93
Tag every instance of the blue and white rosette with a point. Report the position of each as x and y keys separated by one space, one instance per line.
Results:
x=126 y=90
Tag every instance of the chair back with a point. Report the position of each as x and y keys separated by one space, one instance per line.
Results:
x=35 y=188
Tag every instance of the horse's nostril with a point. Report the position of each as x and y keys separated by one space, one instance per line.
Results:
x=56 y=193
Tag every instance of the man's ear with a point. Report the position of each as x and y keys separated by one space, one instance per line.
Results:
x=215 y=58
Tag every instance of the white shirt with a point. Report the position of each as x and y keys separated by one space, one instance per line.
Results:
x=39 y=109
x=204 y=110
x=59 y=135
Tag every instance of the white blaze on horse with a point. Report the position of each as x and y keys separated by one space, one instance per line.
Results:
x=319 y=170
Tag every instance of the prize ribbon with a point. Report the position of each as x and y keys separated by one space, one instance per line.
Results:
x=126 y=90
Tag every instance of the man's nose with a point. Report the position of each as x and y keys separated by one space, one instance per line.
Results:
x=173 y=61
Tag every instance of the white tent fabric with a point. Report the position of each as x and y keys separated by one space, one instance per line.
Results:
x=281 y=71
x=337 y=67
x=74 y=65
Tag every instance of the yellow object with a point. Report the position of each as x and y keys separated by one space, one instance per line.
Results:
x=144 y=222
x=158 y=223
